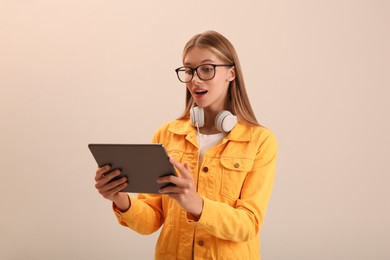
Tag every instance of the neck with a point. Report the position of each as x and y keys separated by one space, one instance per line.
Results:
x=208 y=131
x=209 y=126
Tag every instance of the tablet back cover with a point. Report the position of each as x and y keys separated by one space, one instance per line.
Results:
x=141 y=163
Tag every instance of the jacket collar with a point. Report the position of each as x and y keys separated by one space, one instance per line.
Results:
x=240 y=132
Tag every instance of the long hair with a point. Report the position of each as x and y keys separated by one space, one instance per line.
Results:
x=237 y=99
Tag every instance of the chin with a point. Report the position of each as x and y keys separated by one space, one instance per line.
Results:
x=201 y=104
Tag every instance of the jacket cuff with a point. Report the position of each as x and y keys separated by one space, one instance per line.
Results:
x=125 y=214
x=206 y=218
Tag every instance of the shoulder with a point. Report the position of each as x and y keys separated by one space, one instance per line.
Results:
x=257 y=137
x=252 y=133
x=263 y=133
x=178 y=127
x=266 y=141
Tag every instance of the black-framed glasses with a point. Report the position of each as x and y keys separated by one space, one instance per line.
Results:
x=205 y=72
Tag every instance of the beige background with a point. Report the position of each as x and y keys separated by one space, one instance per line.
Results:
x=75 y=72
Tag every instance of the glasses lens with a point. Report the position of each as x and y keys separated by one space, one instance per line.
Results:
x=206 y=72
x=184 y=74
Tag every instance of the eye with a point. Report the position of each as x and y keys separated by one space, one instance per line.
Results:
x=187 y=71
x=206 y=69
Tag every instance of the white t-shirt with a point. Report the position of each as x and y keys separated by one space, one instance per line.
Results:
x=207 y=141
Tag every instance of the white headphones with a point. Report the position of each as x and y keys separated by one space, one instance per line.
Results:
x=224 y=121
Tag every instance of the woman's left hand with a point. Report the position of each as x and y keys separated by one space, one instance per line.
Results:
x=185 y=191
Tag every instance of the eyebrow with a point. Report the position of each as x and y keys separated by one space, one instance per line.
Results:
x=203 y=61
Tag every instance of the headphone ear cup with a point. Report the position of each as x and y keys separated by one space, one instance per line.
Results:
x=197 y=116
x=225 y=121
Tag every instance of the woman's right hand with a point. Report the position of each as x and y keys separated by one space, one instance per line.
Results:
x=111 y=190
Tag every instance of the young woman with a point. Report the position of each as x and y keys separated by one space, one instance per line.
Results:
x=225 y=160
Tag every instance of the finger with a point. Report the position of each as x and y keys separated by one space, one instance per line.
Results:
x=171 y=190
x=178 y=186
x=114 y=192
x=107 y=178
x=118 y=188
x=178 y=181
x=184 y=169
x=182 y=188
x=168 y=178
x=112 y=185
x=187 y=168
x=174 y=162
x=101 y=171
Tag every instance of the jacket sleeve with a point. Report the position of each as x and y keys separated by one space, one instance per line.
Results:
x=243 y=222
x=145 y=214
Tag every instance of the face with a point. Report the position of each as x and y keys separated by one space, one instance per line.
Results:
x=210 y=94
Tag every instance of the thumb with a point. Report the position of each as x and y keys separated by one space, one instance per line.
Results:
x=187 y=171
x=187 y=166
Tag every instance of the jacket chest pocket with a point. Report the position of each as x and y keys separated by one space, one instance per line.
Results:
x=176 y=154
x=234 y=171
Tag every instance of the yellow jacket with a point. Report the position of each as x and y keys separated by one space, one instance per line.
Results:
x=235 y=181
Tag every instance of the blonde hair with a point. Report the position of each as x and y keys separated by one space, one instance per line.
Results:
x=237 y=101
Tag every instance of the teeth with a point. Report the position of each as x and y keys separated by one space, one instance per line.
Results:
x=200 y=91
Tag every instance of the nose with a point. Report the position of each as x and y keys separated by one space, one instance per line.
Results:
x=195 y=77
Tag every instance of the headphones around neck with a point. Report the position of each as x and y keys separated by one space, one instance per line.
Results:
x=224 y=121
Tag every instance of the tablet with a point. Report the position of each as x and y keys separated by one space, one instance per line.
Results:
x=142 y=164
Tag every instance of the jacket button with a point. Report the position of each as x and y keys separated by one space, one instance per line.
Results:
x=236 y=165
x=201 y=243
x=205 y=169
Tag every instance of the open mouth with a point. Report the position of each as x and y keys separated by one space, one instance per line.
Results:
x=200 y=92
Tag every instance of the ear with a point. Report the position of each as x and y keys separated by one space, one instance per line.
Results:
x=231 y=74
